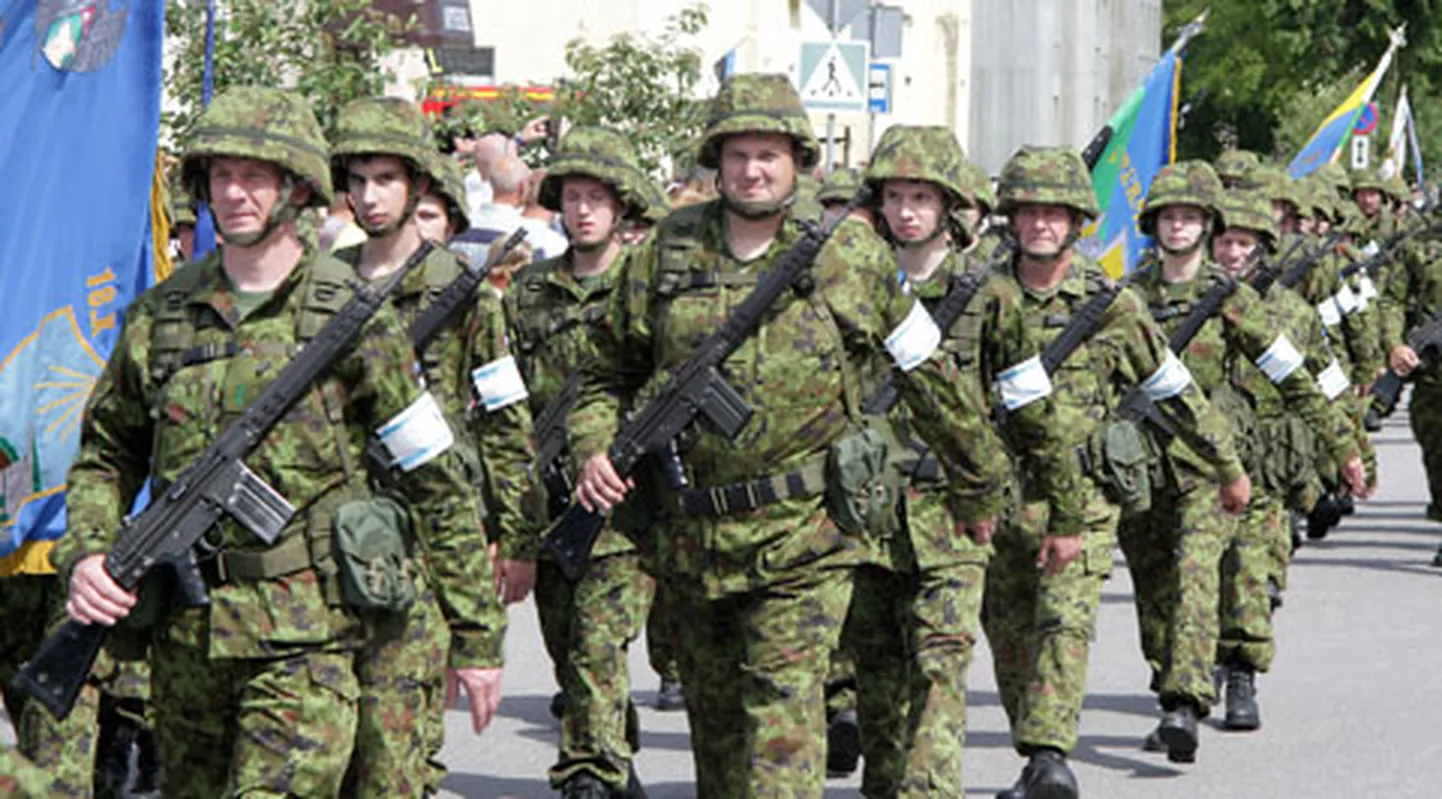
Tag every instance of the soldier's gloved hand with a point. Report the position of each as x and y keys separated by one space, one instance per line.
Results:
x=980 y=532
x=95 y=598
x=1355 y=476
x=600 y=487
x=1403 y=359
x=1236 y=494
x=1056 y=552
x=518 y=577
x=483 y=687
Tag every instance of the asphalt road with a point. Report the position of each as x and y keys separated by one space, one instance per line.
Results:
x=1352 y=707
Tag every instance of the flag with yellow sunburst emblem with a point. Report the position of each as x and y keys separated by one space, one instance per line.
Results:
x=78 y=122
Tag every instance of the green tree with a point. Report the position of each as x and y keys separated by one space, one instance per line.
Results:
x=1271 y=70
x=328 y=50
x=644 y=86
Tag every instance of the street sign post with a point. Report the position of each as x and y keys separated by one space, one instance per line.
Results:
x=878 y=88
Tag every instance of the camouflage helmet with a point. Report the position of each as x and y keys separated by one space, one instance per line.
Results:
x=1398 y=189
x=980 y=184
x=179 y=205
x=380 y=126
x=1047 y=176
x=840 y=186
x=604 y=155
x=927 y=153
x=1278 y=185
x=261 y=123
x=658 y=207
x=1250 y=209
x=1234 y=166
x=1359 y=179
x=1335 y=176
x=449 y=184
x=1182 y=183
x=758 y=104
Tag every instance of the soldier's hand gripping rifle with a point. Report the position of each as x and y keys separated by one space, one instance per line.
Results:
x=1425 y=340
x=696 y=389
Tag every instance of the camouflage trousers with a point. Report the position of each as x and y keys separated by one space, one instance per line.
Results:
x=1425 y=410
x=65 y=750
x=254 y=728
x=588 y=627
x=400 y=725
x=1174 y=554
x=841 y=680
x=754 y=666
x=662 y=635
x=913 y=635
x=1251 y=559
x=21 y=779
x=1041 y=627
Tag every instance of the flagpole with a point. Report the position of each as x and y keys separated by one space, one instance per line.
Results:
x=1189 y=32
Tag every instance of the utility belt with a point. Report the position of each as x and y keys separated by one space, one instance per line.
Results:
x=862 y=475
x=1125 y=462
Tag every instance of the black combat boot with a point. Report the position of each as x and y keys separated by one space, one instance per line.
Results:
x=1274 y=595
x=558 y=706
x=1242 y=710
x=1178 y=732
x=584 y=785
x=1437 y=559
x=1049 y=777
x=669 y=696
x=843 y=744
x=1153 y=741
x=1325 y=515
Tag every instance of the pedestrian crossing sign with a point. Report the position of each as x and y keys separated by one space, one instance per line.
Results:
x=833 y=76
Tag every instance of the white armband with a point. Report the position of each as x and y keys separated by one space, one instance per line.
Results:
x=1280 y=360
x=1346 y=299
x=1367 y=290
x=416 y=435
x=1023 y=384
x=915 y=339
x=499 y=384
x=1331 y=315
x=1170 y=379
x=1333 y=381
x=1371 y=249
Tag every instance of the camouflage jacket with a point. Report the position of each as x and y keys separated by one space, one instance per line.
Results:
x=139 y=418
x=798 y=372
x=1347 y=311
x=21 y=779
x=1127 y=350
x=554 y=318
x=1241 y=330
x=1411 y=295
x=991 y=335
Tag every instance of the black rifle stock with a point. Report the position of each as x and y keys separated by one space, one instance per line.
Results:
x=550 y=430
x=171 y=529
x=1097 y=147
x=697 y=389
x=1290 y=274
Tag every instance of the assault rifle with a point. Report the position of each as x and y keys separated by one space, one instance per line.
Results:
x=1295 y=272
x=1265 y=273
x=1372 y=264
x=696 y=389
x=455 y=297
x=172 y=529
x=550 y=430
x=1425 y=339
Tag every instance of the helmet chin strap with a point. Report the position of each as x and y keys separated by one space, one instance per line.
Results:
x=413 y=199
x=282 y=212
x=1073 y=235
x=755 y=211
x=1190 y=248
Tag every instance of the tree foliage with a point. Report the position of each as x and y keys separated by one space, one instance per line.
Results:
x=1269 y=71
x=644 y=86
x=328 y=50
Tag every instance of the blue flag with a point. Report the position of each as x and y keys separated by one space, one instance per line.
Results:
x=79 y=115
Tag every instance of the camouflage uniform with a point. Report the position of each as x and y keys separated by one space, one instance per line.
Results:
x=1278 y=450
x=1175 y=550
x=588 y=625
x=915 y=612
x=256 y=693
x=764 y=587
x=402 y=671
x=1040 y=627
x=22 y=779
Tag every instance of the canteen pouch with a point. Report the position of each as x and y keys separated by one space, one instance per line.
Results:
x=372 y=557
x=863 y=486
x=1122 y=460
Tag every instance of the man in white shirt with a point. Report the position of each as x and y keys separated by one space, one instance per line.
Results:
x=496 y=219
